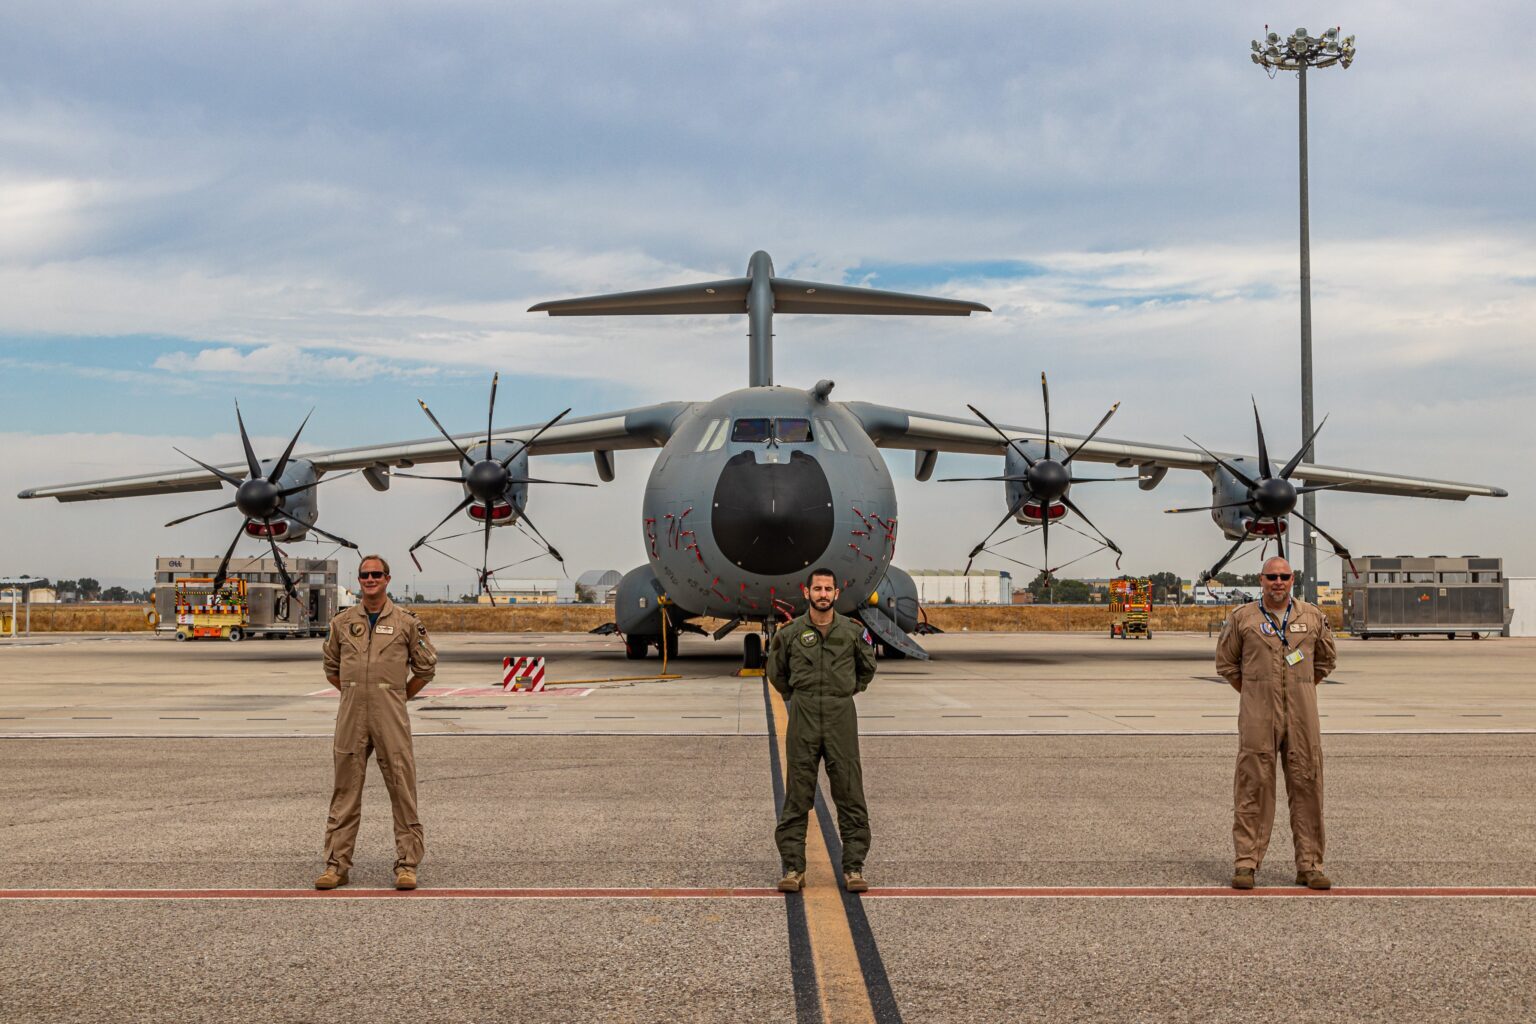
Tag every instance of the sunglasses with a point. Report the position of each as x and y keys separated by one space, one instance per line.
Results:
x=380 y=575
x=1273 y=576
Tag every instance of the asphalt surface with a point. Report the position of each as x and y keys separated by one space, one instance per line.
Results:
x=949 y=808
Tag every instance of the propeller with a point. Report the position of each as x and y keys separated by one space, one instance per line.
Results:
x=1270 y=497
x=487 y=481
x=261 y=500
x=1046 y=481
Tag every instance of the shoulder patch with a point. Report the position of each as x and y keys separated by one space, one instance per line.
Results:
x=420 y=629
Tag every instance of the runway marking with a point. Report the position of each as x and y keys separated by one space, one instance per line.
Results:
x=1195 y=891
x=842 y=991
x=391 y=894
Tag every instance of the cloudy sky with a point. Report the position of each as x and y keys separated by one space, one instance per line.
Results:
x=350 y=206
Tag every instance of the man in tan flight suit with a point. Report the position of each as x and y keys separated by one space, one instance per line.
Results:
x=1274 y=652
x=379 y=656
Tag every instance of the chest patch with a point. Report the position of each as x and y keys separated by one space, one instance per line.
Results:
x=356 y=629
x=1267 y=629
x=1298 y=627
x=808 y=638
x=386 y=630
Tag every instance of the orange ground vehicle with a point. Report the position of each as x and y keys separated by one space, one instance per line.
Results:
x=1131 y=603
x=202 y=613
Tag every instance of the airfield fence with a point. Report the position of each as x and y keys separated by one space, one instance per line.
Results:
x=576 y=618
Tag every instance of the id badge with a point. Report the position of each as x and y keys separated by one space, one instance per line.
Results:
x=1294 y=657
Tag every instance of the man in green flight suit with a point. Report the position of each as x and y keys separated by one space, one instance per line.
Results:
x=818 y=662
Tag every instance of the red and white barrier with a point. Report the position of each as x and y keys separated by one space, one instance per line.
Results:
x=522 y=674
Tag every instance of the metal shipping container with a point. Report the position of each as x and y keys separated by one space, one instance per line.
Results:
x=271 y=611
x=1409 y=596
x=1522 y=603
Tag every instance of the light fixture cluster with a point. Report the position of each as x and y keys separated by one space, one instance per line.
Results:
x=1300 y=50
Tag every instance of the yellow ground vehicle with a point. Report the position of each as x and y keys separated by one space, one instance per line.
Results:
x=1131 y=603
x=202 y=613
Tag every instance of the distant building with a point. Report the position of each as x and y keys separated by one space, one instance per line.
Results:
x=951 y=586
x=601 y=582
x=530 y=591
x=37 y=595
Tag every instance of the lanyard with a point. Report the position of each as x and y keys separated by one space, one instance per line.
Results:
x=1282 y=624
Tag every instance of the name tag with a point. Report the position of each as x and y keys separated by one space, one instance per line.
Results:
x=384 y=629
x=1298 y=627
x=1294 y=658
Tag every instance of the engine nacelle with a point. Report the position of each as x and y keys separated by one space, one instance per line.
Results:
x=897 y=597
x=508 y=508
x=304 y=506
x=1240 y=520
x=1017 y=493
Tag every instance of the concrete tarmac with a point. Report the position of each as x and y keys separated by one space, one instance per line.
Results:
x=133 y=764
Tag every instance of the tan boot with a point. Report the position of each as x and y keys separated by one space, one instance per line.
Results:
x=1313 y=879
x=405 y=878
x=793 y=881
x=331 y=879
x=1242 y=878
x=854 y=881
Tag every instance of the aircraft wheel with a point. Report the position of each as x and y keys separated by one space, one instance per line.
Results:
x=236 y=634
x=893 y=653
x=752 y=651
x=671 y=641
x=635 y=647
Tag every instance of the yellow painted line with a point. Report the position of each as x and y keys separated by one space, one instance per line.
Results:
x=840 y=985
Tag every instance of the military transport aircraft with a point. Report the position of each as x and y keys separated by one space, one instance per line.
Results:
x=752 y=489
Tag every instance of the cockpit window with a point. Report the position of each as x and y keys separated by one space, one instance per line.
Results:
x=758 y=430
x=793 y=431
x=752 y=430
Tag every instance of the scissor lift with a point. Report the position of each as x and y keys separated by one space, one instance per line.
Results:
x=1130 y=601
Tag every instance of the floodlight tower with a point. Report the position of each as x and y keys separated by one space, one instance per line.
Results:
x=1297 y=52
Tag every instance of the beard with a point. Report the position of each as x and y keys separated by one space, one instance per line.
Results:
x=821 y=604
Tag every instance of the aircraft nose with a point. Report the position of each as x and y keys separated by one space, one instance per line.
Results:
x=773 y=518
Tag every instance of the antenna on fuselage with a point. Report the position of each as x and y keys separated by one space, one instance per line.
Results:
x=759 y=295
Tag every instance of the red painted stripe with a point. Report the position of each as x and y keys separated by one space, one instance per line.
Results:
x=1179 y=892
x=351 y=893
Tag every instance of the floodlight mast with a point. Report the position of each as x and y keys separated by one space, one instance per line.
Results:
x=1297 y=52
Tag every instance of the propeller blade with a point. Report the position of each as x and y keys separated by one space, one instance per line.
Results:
x=1225 y=558
x=424 y=476
x=536 y=480
x=999 y=430
x=311 y=486
x=550 y=547
x=1091 y=435
x=1101 y=479
x=204 y=512
x=315 y=529
x=1224 y=464
x=461 y=506
x=1279 y=541
x=1000 y=524
x=282 y=463
x=1318 y=487
x=1045 y=537
x=215 y=471
x=490 y=415
x=1045 y=395
x=536 y=435
x=1071 y=506
x=485 y=557
x=245 y=439
x=456 y=446
x=1338 y=549
x=968 y=479
x=1290 y=467
x=1206 y=508
x=1265 y=469
x=282 y=570
x=218 y=577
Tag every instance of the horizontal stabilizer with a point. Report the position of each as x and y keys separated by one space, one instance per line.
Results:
x=730 y=296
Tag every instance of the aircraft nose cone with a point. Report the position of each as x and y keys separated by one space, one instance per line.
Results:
x=1275 y=497
x=257 y=498
x=772 y=519
x=487 y=481
x=1048 y=479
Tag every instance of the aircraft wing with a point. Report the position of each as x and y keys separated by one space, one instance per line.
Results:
x=644 y=427
x=921 y=432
